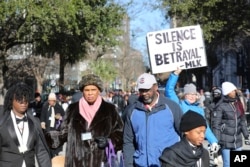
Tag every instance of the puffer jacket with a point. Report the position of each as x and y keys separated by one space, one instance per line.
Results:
x=229 y=124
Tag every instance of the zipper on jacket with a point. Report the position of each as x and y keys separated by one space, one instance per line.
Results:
x=236 y=123
x=147 y=114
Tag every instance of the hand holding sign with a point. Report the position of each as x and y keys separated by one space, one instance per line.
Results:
x=178 y=71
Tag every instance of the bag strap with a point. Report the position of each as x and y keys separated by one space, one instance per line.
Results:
x=110 y=152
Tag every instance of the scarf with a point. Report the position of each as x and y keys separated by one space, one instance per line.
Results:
x=52 y=117
x=237 y=103
x=181 y=154
x=88 y=111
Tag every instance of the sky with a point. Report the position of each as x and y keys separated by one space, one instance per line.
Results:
x=144 y=19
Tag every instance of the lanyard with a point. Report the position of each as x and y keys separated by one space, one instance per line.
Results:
x=21 y=129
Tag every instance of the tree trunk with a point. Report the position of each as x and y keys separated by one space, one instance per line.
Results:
x=61 y=73
x=2 y=59
x=39 y=86
x=1 y=85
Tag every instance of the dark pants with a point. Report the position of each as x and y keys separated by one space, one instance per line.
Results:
x=55 y=152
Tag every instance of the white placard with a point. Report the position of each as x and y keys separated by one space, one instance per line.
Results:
x=177 y=47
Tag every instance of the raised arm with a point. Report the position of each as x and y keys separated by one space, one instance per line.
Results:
x=170 y=85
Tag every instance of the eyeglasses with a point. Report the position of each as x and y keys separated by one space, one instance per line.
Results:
x=22 y=101
x=192 y=94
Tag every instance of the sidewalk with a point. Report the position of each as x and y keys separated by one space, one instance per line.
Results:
x=205 y=144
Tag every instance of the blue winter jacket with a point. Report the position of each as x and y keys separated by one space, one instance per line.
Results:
x=147 y=133
x=185 y=105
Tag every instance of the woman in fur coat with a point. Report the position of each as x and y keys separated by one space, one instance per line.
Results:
x=88 y=125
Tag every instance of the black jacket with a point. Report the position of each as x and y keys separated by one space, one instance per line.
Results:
x=9 y=153
x=36 y=107
x=182 y=155
x=119 y=102
x=46 y=113
x=228 y=124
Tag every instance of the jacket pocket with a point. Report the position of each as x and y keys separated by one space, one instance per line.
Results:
x=222 y=128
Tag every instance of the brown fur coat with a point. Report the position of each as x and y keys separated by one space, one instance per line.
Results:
x=86 y=153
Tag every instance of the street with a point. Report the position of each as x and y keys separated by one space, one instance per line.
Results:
x=205 y=144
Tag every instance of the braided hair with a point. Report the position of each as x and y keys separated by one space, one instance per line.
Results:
x=20 y=92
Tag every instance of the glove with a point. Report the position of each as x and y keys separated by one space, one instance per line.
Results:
x=214 y=147
x=102 y=142
x=247 y=141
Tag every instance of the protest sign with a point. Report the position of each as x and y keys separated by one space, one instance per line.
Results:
x=177 y=47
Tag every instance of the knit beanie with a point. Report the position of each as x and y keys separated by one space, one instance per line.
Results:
x=227 y=87
x=91 y=79
x=190 y=88
x=191 y=120
x=52 y=96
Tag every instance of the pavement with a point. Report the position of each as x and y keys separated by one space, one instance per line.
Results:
x=220 y=163
x=205 y=144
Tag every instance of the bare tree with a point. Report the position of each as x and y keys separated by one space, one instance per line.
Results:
x=20 y=69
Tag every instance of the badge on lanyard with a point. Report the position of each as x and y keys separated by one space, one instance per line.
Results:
x=86 y=136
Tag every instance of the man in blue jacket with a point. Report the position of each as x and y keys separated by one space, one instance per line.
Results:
x=151 y=124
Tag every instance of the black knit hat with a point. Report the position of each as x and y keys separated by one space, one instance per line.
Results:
x=91 y=79
x=191 y=120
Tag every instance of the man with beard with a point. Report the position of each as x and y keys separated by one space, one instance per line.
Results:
x=151 y=124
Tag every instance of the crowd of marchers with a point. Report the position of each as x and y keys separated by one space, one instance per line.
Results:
x=147 y=127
